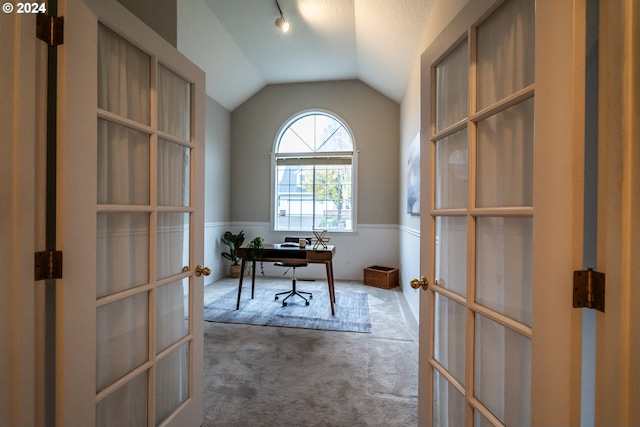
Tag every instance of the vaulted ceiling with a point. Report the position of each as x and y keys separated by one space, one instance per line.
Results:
x=238 y=45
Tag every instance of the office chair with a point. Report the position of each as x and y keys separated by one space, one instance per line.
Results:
x=293 y=264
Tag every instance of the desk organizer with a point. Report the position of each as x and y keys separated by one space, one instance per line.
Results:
x=381 y=277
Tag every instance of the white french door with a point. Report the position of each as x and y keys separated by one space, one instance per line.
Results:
x=131 y=331
x=485 y=358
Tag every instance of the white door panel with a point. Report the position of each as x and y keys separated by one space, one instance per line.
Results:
x=497 y=198
x=132 y=224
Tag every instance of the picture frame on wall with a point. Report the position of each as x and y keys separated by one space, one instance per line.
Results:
x=413 y=177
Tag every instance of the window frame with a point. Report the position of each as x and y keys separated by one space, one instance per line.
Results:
x=318 y=154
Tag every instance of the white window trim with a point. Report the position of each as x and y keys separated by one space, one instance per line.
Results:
x=354 y=169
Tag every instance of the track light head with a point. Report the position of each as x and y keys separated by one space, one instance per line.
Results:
x=282 y=24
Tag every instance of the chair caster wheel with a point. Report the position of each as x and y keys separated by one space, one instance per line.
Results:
x=284 y=304
x=306 y=303
x=277 y=298
x=310 y=297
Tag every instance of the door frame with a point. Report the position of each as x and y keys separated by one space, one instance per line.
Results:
x=558 y=205
x=617 y=375
x=21 y=220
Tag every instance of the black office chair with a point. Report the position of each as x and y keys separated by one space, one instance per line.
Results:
x=293 y=264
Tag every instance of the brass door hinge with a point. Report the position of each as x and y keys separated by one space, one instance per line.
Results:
x=48 y=265
x=50 y=29
x=588 y=289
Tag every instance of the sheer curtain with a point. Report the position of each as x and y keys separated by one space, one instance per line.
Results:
x=505 y=66
x=172 y=247
x=128 y=221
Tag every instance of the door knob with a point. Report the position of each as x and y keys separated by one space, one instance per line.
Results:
x=202 y=271
x=415 y=283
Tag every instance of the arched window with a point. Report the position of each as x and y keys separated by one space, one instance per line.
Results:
x=314 y=174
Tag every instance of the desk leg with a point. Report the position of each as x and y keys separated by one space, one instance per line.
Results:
x=332 y=297
x=253 y=278
x=333 y=288
x=240 y=284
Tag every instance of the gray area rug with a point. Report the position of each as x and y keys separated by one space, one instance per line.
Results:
x=351 y=311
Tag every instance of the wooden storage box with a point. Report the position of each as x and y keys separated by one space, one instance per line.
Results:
x=381 y=277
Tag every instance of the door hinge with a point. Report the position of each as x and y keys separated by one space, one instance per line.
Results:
x=50 y=29
x=588 y=289
x=48 y=265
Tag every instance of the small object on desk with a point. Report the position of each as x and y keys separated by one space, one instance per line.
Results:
x=288 y=245
x=303 y=243
x=320 y=239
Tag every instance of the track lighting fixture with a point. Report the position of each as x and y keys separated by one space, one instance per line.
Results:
x=281 y=22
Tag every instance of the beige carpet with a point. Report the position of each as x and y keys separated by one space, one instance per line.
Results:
x=278 y=376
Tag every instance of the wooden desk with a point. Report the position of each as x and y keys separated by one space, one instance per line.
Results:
x=280 y=253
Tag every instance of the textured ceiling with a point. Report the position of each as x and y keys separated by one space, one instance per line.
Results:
x=238 y=45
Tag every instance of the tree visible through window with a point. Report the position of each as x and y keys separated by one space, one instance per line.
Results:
x=314 y=175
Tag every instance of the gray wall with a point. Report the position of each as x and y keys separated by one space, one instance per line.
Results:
x=217 y=163
x=373 y=118
x=217 y=188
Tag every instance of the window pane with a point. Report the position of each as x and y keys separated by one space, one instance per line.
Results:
x=505 y=158
x=480 y=421
x=503 y=266
x=125 y=407
x=452 y=87
x=315 y=133
x=123 y=77
x=503 y=372
x=174 y=104
x=122 y=334
x=450 y=336
x=339 y=140
x=451 y=253
x=123 y=165
x=506 y=48
x=292 y=142
x=314 y=197
x=174 y=172
x=448 y=403
x=172 y=243
x=122 y=252
x=172 y=382
x=452 y=171
x=172 y=313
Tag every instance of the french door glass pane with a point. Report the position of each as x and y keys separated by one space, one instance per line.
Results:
x=172 y=243
x=123 y=165
x=174 y=104
x=505 y=158
x=123 y=77
x=172 y=382
x=122 y=338
x=506 y=48
x=451 y=253
x=452 y=171
x=503 y=266
x=122 y=252
x=449 y=338
x=480 y=421
x=448 y=403
x=502 y=380
x=452 y=87
x=172 y=313
x=174 y=172
x=125 y=407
